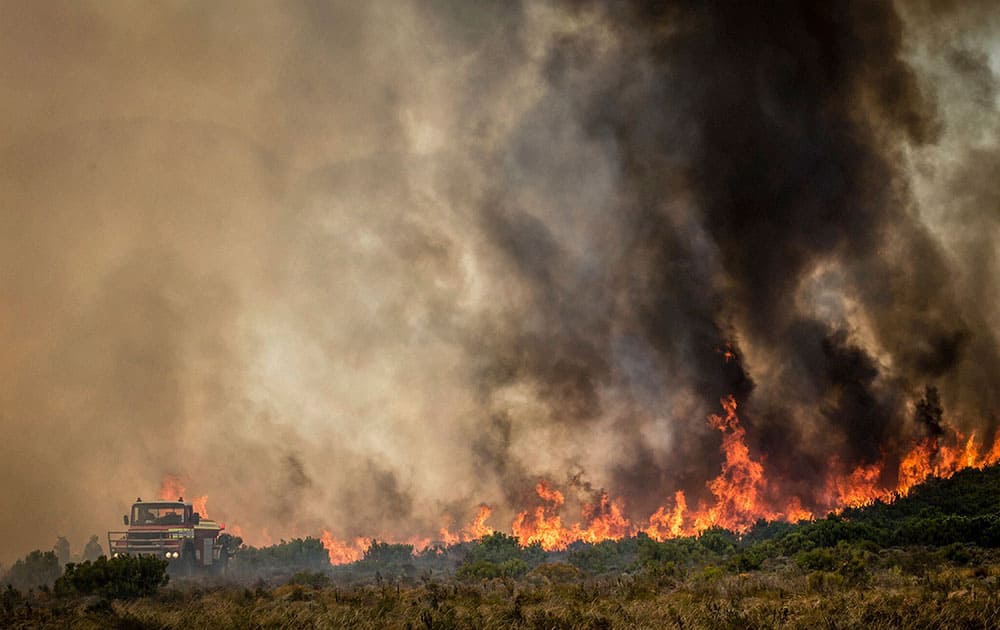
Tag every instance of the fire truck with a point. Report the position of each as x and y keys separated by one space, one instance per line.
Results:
x=171 y=530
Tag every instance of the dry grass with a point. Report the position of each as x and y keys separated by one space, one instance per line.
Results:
x=941 y=596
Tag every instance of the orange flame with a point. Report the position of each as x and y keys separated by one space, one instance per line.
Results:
x=929 y=458
x=859 y=487
x=604 y=520
x=737 y=490
x=343 y=552
x=994 y=455
x=546 y=526
x=740 y=492
x=740 y=495
x=199 y=504
x=172 y=488
x=794 y=512
x=473 y=531
x=665 y=524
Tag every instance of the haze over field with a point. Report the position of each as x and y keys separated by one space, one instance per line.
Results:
x=364 y=266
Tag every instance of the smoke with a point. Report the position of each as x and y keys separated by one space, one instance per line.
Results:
x=364 y=266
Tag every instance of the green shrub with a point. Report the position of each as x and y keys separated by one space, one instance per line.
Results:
x=124 y=577
x=499 y=555
x=850 y=562
x=679 y=551
x=499 y=547
x=381 y=556
x=478 y=570
x=764 y=530
x=299 y=554
x=712 y=573
x=604 y=557
x=718 y=540
x=484 y=569
x=515 y=567
x=750 y=560
x=816 y=560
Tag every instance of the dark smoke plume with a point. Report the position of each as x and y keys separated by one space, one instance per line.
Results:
x=759 y=154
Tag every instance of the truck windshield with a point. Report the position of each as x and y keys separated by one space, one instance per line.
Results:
x=157 y=514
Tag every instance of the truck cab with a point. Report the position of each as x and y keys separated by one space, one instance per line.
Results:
x=171 y=530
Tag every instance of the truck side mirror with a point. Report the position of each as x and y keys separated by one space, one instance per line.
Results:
x=125 y=519
x=195 y=518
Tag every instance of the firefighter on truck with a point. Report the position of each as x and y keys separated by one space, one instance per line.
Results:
x=171 y=530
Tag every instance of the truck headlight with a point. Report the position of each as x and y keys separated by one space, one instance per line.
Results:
x=114 y=555
x=176 y=554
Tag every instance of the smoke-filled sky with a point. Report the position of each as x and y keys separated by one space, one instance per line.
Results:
x=363 y=266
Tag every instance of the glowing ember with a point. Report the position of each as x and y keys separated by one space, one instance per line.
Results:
x=727 y=352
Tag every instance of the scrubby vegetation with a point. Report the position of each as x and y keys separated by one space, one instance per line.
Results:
x=277 y=561
x=931 y=559
x=124 y=577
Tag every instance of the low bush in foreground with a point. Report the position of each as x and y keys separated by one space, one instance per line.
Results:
x=124 y=577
